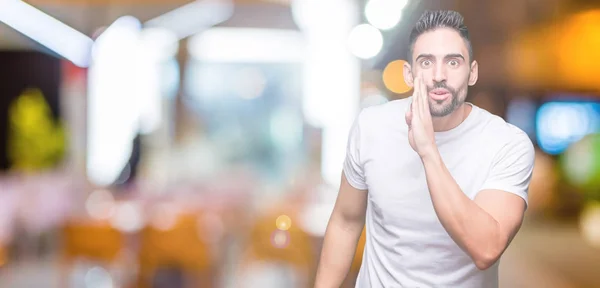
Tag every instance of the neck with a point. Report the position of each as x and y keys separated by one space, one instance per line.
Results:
x=448 y=122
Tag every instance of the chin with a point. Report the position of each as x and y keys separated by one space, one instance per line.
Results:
x=441 y=110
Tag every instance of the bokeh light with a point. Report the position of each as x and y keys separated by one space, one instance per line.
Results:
x=98 y=277
x=521 y=113
x=384 y=14
x=128 y=217
x=590 y=223
x=365 y=41
x=581 y=163
x=164 y=217
x=100 y=205
x=283 y=222
x=393 y=77
x=577 y=50
x=559 y=124
x=280 y=239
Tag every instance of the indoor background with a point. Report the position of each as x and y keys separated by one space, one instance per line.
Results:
x=177 y=143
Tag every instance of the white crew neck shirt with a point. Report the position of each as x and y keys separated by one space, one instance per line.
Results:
x=406 y=244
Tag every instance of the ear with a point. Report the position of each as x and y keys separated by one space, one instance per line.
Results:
x=408 y=76
x=474 y=73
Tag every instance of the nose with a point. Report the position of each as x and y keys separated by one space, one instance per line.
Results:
x=439 y=73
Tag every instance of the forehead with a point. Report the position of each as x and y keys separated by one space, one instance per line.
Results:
x=440 y=42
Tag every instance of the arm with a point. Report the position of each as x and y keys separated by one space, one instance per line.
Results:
x=341 y=237
x=483 y=227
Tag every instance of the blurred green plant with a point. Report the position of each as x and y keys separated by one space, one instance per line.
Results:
x=581 y=166
x=35 y=141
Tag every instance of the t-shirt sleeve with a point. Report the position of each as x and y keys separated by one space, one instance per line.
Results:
x=353 y=167
x=512 y=167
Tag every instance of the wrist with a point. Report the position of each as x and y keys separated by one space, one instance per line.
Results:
x=430 y=155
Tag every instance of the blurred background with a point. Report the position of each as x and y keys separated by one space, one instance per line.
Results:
x=200 y=143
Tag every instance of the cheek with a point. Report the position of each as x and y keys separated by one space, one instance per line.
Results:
x=458 y=79
x=427 y=76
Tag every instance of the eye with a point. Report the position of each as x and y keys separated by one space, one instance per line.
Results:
x=453 y=63
x=426 y=63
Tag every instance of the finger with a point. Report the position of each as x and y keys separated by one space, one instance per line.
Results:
x=416 y=95
x=408 y=116
x=416 y=86
x=415 y=112
x=414 y=107
x=424 y=98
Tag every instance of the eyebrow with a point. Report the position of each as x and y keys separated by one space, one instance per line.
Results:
x=455 y=55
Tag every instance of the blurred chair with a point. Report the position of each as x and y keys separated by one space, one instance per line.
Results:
x=175 y=248
x=291 y=248
x=89 y=240
x=93 y=240
x=3 y=255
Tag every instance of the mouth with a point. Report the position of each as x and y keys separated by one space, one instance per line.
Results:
x=439 y=94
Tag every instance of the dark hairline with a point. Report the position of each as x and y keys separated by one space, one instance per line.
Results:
x=434 y=20
x=467 y=43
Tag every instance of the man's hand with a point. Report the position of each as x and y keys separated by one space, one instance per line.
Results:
x=418 y=118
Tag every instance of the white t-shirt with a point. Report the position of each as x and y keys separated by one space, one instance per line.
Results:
x=406 y=244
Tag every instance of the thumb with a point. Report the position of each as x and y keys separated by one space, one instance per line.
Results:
x=408 y=117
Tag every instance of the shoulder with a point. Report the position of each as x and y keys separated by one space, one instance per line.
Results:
x=507 y=136
x=382 y=115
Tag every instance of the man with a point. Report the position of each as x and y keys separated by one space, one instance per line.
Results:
x=441 y=184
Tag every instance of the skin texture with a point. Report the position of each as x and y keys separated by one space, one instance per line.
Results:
x=482 y=227
x=342 y=234
x=442 y=59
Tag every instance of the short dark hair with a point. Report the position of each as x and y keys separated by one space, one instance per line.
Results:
x=431 y=20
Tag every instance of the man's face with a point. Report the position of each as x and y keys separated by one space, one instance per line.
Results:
x=441 y=56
